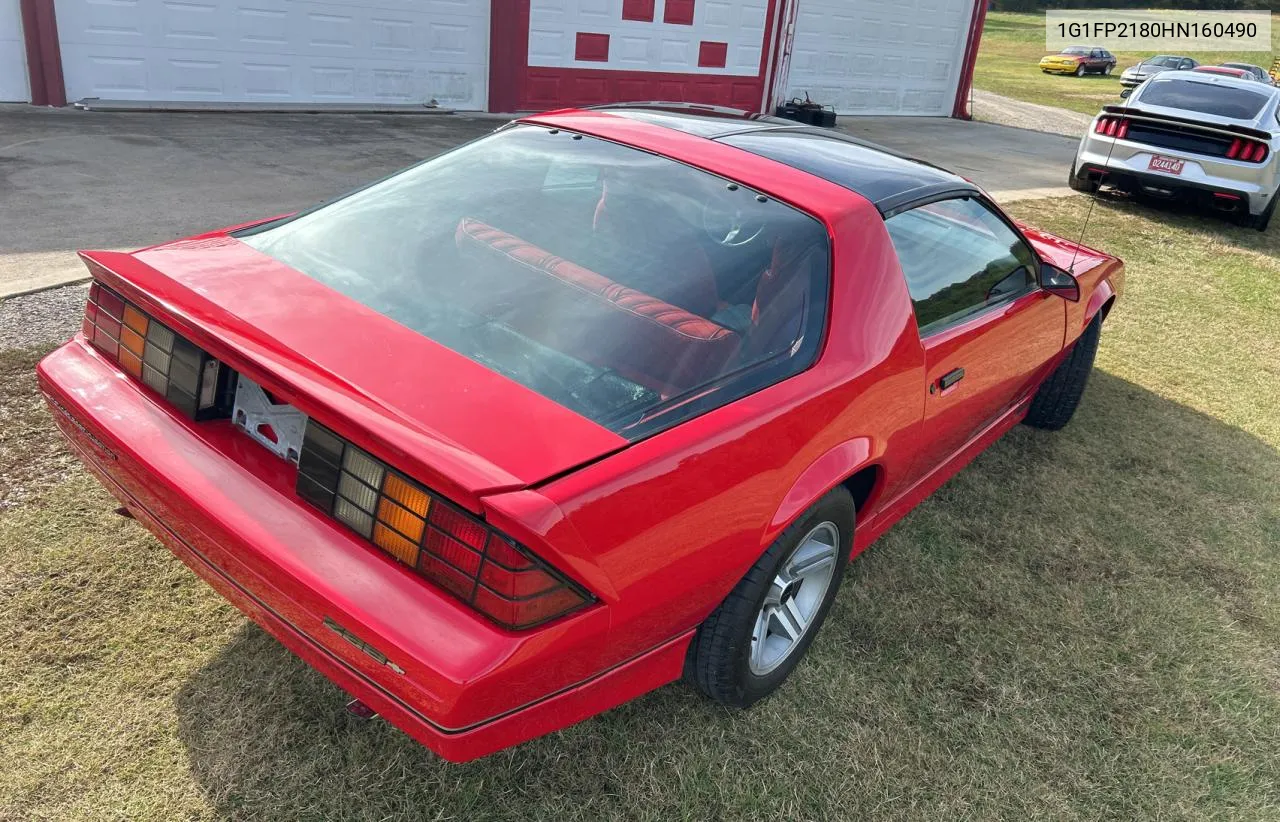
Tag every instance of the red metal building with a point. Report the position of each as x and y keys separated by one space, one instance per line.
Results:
x=863 y=57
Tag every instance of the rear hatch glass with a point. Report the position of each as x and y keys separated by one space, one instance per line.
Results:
x=627 y=287
x=1218 y=100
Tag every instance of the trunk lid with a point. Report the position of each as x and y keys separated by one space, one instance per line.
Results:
x=440 y=417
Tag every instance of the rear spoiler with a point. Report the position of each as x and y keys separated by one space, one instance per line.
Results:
x=1244 y=131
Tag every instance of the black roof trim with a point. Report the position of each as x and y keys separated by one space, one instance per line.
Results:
x=924 y=195
x=882 y=175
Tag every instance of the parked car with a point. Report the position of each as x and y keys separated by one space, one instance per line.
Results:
x=603 y=399
x=1251 y=72
x=1225 y=72
x=1079 y=60
x=1190 y=135
x=1152 y=66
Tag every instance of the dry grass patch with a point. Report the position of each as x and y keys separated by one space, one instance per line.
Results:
x=32 y=453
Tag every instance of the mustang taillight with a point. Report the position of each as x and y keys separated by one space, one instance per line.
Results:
x=448 y=546
x=1112 y=127
x=1251 y=151
x=197 y=384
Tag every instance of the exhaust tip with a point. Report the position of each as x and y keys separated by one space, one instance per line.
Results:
x=124 y=512
x=358 y=709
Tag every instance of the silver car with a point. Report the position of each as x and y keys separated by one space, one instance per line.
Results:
x=1192 y=136
x=1152 y=66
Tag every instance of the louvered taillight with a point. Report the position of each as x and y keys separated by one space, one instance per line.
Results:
x=1116 y=127
x=1250 y=151
x=448 y=546
x=200 y=386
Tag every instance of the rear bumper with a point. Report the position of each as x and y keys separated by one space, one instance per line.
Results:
x=454 y=682
x=1126 y=166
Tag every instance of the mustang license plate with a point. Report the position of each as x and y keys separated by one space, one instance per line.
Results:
x=1169 y=165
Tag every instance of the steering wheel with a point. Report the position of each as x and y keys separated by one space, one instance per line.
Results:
x=731 y=229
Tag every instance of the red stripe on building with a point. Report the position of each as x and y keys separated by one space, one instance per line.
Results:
x=508 y=53
x=44 y=56
x=965 y=86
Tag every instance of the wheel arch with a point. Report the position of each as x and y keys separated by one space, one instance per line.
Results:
x=1101 y=300
x=854 y=464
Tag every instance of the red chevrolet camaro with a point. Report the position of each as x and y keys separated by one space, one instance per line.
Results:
x=601 y=400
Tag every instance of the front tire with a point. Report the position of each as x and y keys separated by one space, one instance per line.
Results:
x=1058 y=397
x=1080 y=70
x=753 y=641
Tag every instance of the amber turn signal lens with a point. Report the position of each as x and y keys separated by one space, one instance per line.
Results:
x=448 y=546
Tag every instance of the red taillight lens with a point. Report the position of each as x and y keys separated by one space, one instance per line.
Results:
x=1251 y=151
x=1111 y=126
x=149 y=351
x=444 y=544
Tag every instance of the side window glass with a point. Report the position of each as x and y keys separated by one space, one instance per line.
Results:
x=959 y=259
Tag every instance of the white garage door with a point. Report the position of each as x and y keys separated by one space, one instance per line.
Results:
x=871 y=57
x=276 y=51
x=13 y=55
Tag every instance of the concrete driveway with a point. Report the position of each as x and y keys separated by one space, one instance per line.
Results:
x=72 y=179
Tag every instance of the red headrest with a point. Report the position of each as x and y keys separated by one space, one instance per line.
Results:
x=596 y=319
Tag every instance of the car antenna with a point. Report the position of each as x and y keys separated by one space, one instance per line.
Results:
x=1097 y=192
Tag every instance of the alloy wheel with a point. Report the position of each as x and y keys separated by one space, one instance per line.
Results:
x=794 y=599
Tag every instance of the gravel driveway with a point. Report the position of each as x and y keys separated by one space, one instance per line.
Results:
x=42 y=319
x=995 y=108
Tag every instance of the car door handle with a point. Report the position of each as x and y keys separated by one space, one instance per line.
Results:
x=947 y=380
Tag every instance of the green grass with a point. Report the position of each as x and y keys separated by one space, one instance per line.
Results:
x=1012 y=45
x=1082 y=625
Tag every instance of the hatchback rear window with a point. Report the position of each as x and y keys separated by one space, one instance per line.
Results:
x=1218 y=100
x=628 y=287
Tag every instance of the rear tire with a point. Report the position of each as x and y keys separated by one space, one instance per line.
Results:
x=1108 y=69
x=744 y=651
x=1085 y=185
x=1259 y=222
x=1058 y=397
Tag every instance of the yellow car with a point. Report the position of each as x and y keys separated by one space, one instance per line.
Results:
x=1079 y=60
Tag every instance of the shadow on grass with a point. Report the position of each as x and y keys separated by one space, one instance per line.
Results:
x=1079 y=625
x=1189 y=217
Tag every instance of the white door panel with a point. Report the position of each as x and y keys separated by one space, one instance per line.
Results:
x=867 y=57
x=400 y=51
x=14 y=87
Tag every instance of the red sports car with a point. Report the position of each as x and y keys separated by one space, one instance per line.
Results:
x=601 y=400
